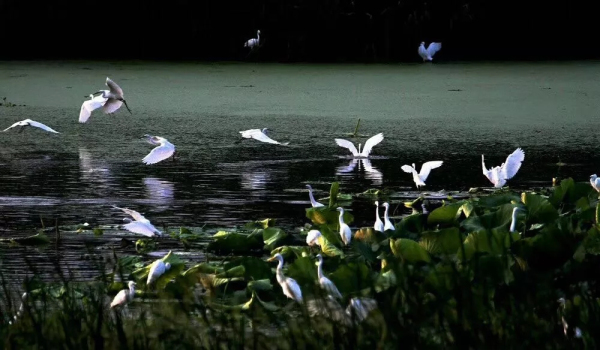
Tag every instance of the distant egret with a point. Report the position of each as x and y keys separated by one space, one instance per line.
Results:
x=499 y=174
x=378 y=223
x=141 y=225
x=357 y=311
x=261 y=135
x=386 y=218
x=419 y=178
x=164 y=150
x=124 y=296
x=313 y=202
x=91 y=105
x=114 y=99
x=289 y=286
x=312 y=238
x=595 y=181
x=369 y=144
x=427 y=54
x=157 y=269
x=345 y=231
x=254 y=42
x=29 y=122
x=325 y=282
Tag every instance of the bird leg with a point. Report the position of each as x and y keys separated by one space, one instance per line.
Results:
x=173 y=156
x=125 y=102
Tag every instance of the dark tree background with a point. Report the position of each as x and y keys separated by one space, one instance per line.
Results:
x=297 y=30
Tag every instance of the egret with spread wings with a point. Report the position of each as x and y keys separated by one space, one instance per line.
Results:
x=141 y=225
x=372 y=142
x=164 y=150
x=500 y=174
x=260 y=135
x=29 y=122
x=427 y=53
x=114 y=101
x=420 y=177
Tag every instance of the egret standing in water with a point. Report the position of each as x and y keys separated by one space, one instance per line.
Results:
x=124 y=296
x=325 y=282
x=499 y=174
x=114 y=100
x=261 y=135
x=386 y=218
x=427 y=53
x=371 y=142
x=158 y=268
x=289 y=286
x=421 y=177
x=164 y=150
x=313 y=202
x=345 y=231
x=29 y=122
x=378 y=223
x=312 y=238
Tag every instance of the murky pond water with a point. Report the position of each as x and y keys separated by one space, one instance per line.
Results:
x=451 y=112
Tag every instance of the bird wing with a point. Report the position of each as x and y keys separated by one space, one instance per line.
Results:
x=114 y=88
x=512 y=164
x=159 y=153
x=260 y=136
x=330 y=287
x=426 y=168
x=142 y=228
x=422 y=52
x=12 y=126
x=134 y=214
x=156 y=271
x=87 y=107
x=111 y=106
x=312 y=237
x=120 y=298
x=408 y=169
x=329 y=308
x=347 y=144
x=486 y=172
x=373 y=141
x=294 y=288
x=433 y=48
x=42 y=126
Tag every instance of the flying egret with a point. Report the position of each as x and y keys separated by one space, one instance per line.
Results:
x=345 y=231
x=419 y=178
x=386 y=218
x=313 y=202
x=87 y=107
x=325 y=282
x=427 y=54
x=124 y=296
x=141 y=225
x=378 y=223
x=114 y=98
x=158 y=268
x=371 y=142
x=254 y=42
x=499 y=174
x=29 y=122
x=289 y=286
x=595 y=181
x=312 y=238
x=357 y=311
x=261 y=135
x=164 y=150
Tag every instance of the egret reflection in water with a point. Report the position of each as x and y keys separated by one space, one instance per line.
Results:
x=94 y=172
x=159 y=190
x=371 y=172
x=255 y=180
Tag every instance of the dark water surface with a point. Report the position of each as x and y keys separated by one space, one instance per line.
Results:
x=451 y=112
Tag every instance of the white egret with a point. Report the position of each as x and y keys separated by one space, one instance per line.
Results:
x=357 y=311
x=312 y=238
x=345 y=231
x=157 y=269
x=419 y=178
x=378 y=223
x=371 y=142
x=114 y=98
x=386 y=218
x=29 y=122
x=513 y=224
x=325 y=282
x=427 y=53
x=254 y=42
x=141 y=225
x=261 y=135
x=289 y=286
x=499 y=174
x=164 y=150
x=91 y=105
x=124 y=296
x=313 y=202
x=595 y=181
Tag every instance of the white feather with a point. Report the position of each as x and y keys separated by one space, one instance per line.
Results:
x=158 y=269
x=29 y=122
x=164 y=150
x=500 y=174
x=260 y=135
x=427 y=53
x=89 y=106
x=366 y=151
x=142 y=228
x=124 y=296
x=312 y=238
x=325 y=282
x=419 y=178
x=388 y=224
x=378 y=223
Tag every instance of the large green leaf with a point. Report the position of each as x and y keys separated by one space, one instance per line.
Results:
x=351 y=277
x=260 y=285
x=410 y=226
x=274 y=237
x=495 y=242
x=333 y=194
x=290 y=253
x=539 y=209
x=444 y=241
x=329 y=249
x=236 y=243
x=447 y=214
x=408 y=250
x=496 y=200
x=327 y=216
x=304 y=271
x=254 y=268
x=497 y=219
x=569 y=192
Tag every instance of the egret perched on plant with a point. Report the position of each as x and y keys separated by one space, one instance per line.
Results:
x=313 y=202
x=141 y=225
x=312 y=238
x=345 y=231
x=499 y=174
x=164 y=149
x=261 y=135
x=371 y=142
x=289 y=286
x=87 y=107
x=378 y=223
x=254 y=42
x=386 y=218
x=124 y=296
x=419 y=178
x=157 y=269
x=325 y=282
x=595 y=181
x=427 y=54
x=357 y=311
x=29 y=122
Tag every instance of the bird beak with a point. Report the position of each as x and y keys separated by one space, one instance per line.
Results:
x=271 y=258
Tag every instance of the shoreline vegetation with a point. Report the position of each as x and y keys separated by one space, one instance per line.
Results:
x=512 y=269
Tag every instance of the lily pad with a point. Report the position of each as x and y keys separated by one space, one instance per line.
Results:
x=409 y=250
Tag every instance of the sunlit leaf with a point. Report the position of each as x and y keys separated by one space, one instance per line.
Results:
x=408 y=250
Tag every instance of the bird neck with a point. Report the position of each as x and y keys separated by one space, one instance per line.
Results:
x=341 y=218
x=131 y=291
x=385 y=214
x=513 y=224
x=279 y=275
x=312 y=199
x=377 y=214
x=320 y=269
